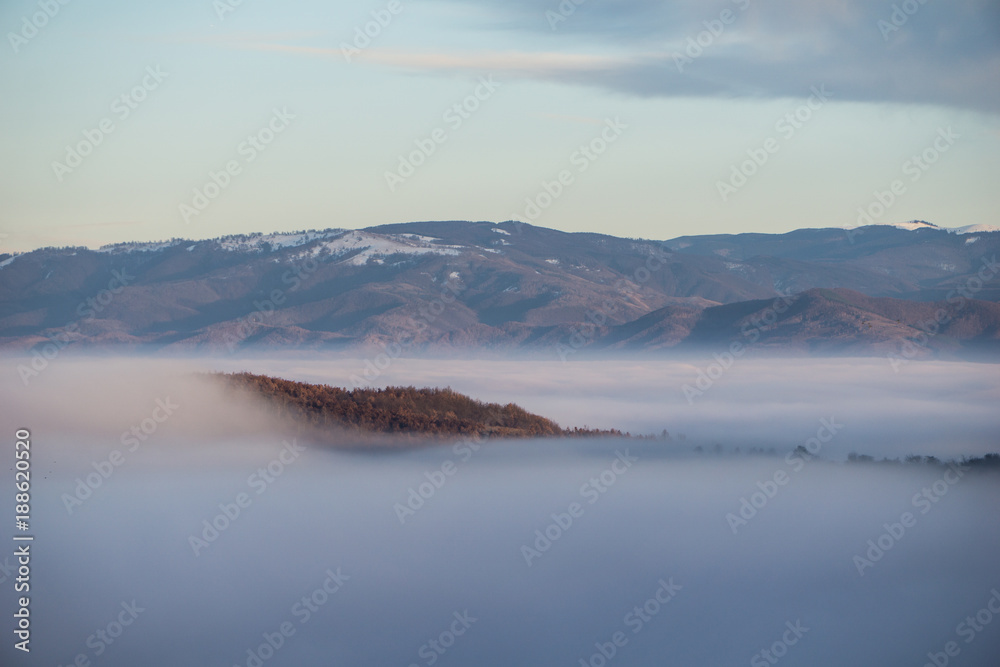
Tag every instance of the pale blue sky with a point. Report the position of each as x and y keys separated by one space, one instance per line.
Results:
x=892 y=90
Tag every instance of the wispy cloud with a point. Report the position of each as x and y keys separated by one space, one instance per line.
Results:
x=532 y=65
x=940 y=54
x=944 y=53
x=527 y=64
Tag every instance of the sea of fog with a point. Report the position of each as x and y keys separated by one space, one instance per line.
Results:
x=173 y=526
x=946 y=409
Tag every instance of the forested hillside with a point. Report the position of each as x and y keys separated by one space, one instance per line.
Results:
x=399 y=410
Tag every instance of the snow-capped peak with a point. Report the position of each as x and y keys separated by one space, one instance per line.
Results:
x=276 y=240
x=360 y=245
x=975 y=229
x=375 y=246
x=914 y=225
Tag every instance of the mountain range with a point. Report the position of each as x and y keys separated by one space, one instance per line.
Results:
x=913 y=289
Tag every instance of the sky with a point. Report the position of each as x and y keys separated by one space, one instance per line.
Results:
x=196 y=119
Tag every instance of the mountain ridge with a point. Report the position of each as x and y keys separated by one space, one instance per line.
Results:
x=505 y=285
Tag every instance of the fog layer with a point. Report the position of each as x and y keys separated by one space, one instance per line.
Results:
x=221 y=541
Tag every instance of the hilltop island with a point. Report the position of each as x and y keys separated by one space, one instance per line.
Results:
x=401 y=416
x=397 y=410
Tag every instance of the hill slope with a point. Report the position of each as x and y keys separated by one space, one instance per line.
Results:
x=395 y=410
x=838 y=321
x=465 y=284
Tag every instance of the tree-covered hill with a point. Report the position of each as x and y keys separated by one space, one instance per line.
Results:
x=397 y=410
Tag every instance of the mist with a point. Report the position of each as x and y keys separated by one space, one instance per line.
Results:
x=932 y=408
x=242 y=545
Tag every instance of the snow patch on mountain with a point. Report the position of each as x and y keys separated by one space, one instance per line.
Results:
x=418 y=237
x=914 y=225
x=975 y=229
x=372 y=246
x=276 y=241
